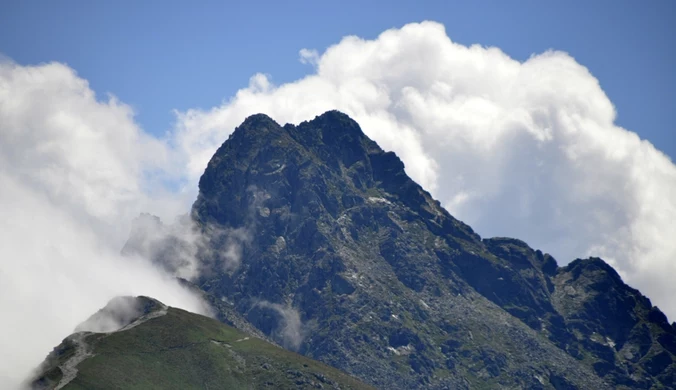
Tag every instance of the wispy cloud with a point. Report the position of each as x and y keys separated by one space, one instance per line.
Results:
x=186 y=248
x=289 y=330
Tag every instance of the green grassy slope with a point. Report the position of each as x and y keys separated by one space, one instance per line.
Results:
x=182 y=350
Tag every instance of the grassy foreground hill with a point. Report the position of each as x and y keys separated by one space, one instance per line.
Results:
x=169 y=348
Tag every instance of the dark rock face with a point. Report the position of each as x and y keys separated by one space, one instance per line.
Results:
x=346 y=256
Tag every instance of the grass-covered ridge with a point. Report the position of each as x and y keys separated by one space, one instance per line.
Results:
x=182 y=350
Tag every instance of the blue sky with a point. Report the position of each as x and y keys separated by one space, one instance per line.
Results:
x=164 y=55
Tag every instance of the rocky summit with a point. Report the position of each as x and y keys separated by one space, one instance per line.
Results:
x=327 y=247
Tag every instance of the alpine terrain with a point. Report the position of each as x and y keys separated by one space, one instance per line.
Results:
x=316 y=238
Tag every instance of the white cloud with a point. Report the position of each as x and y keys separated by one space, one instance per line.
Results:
x=309 y=57
x=521 y=149
x=74 y=172
x=185 y=249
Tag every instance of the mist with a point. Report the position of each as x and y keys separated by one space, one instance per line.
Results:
x=290 y=331
x=74 y=172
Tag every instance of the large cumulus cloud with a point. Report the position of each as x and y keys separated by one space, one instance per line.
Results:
x=523 y=149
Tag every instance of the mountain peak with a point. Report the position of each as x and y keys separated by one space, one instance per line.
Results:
x=593 y=265
x=336 y=119
x=120 y=312
x=327 y=152
x=256 y=128
x=334 y=115
x=259 y=120
x=344 y=258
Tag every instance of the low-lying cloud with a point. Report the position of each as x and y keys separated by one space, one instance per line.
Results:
x=290 y=331
x=187 y=249
x=117 y=314
x=74 y=172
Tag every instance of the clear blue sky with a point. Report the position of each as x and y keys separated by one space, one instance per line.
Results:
x=161 y=55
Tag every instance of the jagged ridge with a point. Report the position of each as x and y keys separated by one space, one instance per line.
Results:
x=391 y=288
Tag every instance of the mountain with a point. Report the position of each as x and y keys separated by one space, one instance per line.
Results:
x=326 y=246
x=160 y=347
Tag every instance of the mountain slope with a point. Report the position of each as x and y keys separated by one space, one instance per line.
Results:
x=587 y=310
x=168 y=348
x=330 y=249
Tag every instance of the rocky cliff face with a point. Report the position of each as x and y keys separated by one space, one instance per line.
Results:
x=332 y=250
